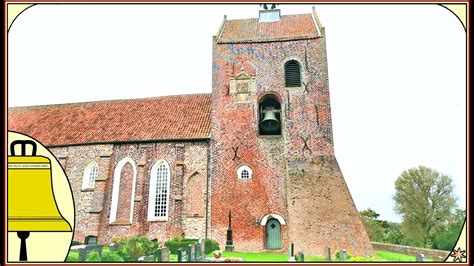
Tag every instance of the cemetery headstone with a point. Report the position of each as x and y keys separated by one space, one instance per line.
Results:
x=114 y=246
x=328 y=253
x=182 y=256
x=420 y=257
x=343 y=254
x=291 y=252
x=88 y=249
x=158 y=255
x=203 y=247
x=190 y=252
x=301 y=256
x=165 y=254
x=146 y=258
x=197 y=252
x=90 y=240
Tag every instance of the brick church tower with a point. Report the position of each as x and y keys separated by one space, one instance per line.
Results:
x=272 y=155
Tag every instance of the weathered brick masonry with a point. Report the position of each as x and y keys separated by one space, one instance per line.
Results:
x=295 y=191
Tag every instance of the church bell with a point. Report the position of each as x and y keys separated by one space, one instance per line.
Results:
x=31 y=203
x=270 y=122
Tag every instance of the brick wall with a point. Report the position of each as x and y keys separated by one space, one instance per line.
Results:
x=277 y=187
x=93 y=206
x=434 y=254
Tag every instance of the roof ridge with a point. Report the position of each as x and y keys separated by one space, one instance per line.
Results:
x=106 y=101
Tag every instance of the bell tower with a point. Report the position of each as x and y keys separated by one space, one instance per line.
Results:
x=272 y=155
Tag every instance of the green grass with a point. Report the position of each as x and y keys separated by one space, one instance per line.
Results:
x=392 y=256
x=381 y=256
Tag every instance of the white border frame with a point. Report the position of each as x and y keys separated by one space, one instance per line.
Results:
x=242 y=168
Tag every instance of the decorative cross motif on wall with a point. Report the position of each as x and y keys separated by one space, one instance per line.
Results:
x=235 y=153
x=306 y=147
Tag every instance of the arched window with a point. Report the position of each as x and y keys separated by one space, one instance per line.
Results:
x=269 y=115
x=292 y=74
x=91 y=172
x=158 y=196
x=125 y=177
x=244 y=172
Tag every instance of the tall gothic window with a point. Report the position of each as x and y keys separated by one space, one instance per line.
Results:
x=91 y=172
x=292 y=74
x=158 y=201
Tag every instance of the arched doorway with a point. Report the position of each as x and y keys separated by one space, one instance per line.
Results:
x=273 y=234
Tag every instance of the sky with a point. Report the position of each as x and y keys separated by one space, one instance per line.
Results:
x=397 y=76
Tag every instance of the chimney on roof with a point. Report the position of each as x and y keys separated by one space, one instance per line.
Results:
x=271 y=15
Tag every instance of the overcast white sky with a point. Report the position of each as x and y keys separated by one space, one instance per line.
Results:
x=397 y=75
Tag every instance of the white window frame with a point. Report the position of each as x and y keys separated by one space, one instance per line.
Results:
x=86 y=179
x=246 y=168
x=116 y=189
x=152 y=192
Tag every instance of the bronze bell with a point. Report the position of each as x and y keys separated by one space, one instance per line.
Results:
x=270 y=122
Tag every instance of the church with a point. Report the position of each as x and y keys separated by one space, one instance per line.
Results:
x=255 y=156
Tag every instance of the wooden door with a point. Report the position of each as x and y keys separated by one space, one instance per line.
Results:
x=273 y=234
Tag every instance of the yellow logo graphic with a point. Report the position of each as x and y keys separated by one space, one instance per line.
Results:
x=33 y=210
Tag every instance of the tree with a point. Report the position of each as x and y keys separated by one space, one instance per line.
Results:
x=372 y=225
x=447 y=235
x=425 y=200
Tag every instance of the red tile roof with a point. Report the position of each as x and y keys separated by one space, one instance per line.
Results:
x=289 y=27
x=161 y=118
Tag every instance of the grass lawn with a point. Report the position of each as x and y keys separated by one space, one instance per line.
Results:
x=381 y=256
x=275 y=257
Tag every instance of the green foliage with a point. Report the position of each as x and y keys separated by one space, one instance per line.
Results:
x=447 y=235
x=112 y=257
x=425 y=199
x=375 y=228
x=93 y=256
x=134 y=247
x=178 y=242
x=210 y=245
x=72 y=256
x=393 y=235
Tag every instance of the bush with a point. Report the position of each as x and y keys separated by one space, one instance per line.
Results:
x=178 y=242
x=134 y=247
x=93 y=256
x=72 y=256
x=174 y=245
x=210 y=245
x=111 y=257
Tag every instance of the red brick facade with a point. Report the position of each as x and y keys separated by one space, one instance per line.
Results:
x=203 y=140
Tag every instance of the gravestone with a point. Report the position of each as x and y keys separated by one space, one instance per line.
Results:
x=328 y=253
x=190 y=252
x=343 y=254
x=182 y=256
x=114 y=246
x=165 y=254
x=90 y=240
x=203 y=247
x=197 y=252
x=146 y=259
x=88 y=249
x=291 y=252
x=158 y=254
x=420 y=257
x=301 y=256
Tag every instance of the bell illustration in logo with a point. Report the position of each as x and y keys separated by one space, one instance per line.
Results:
x=32 y=206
